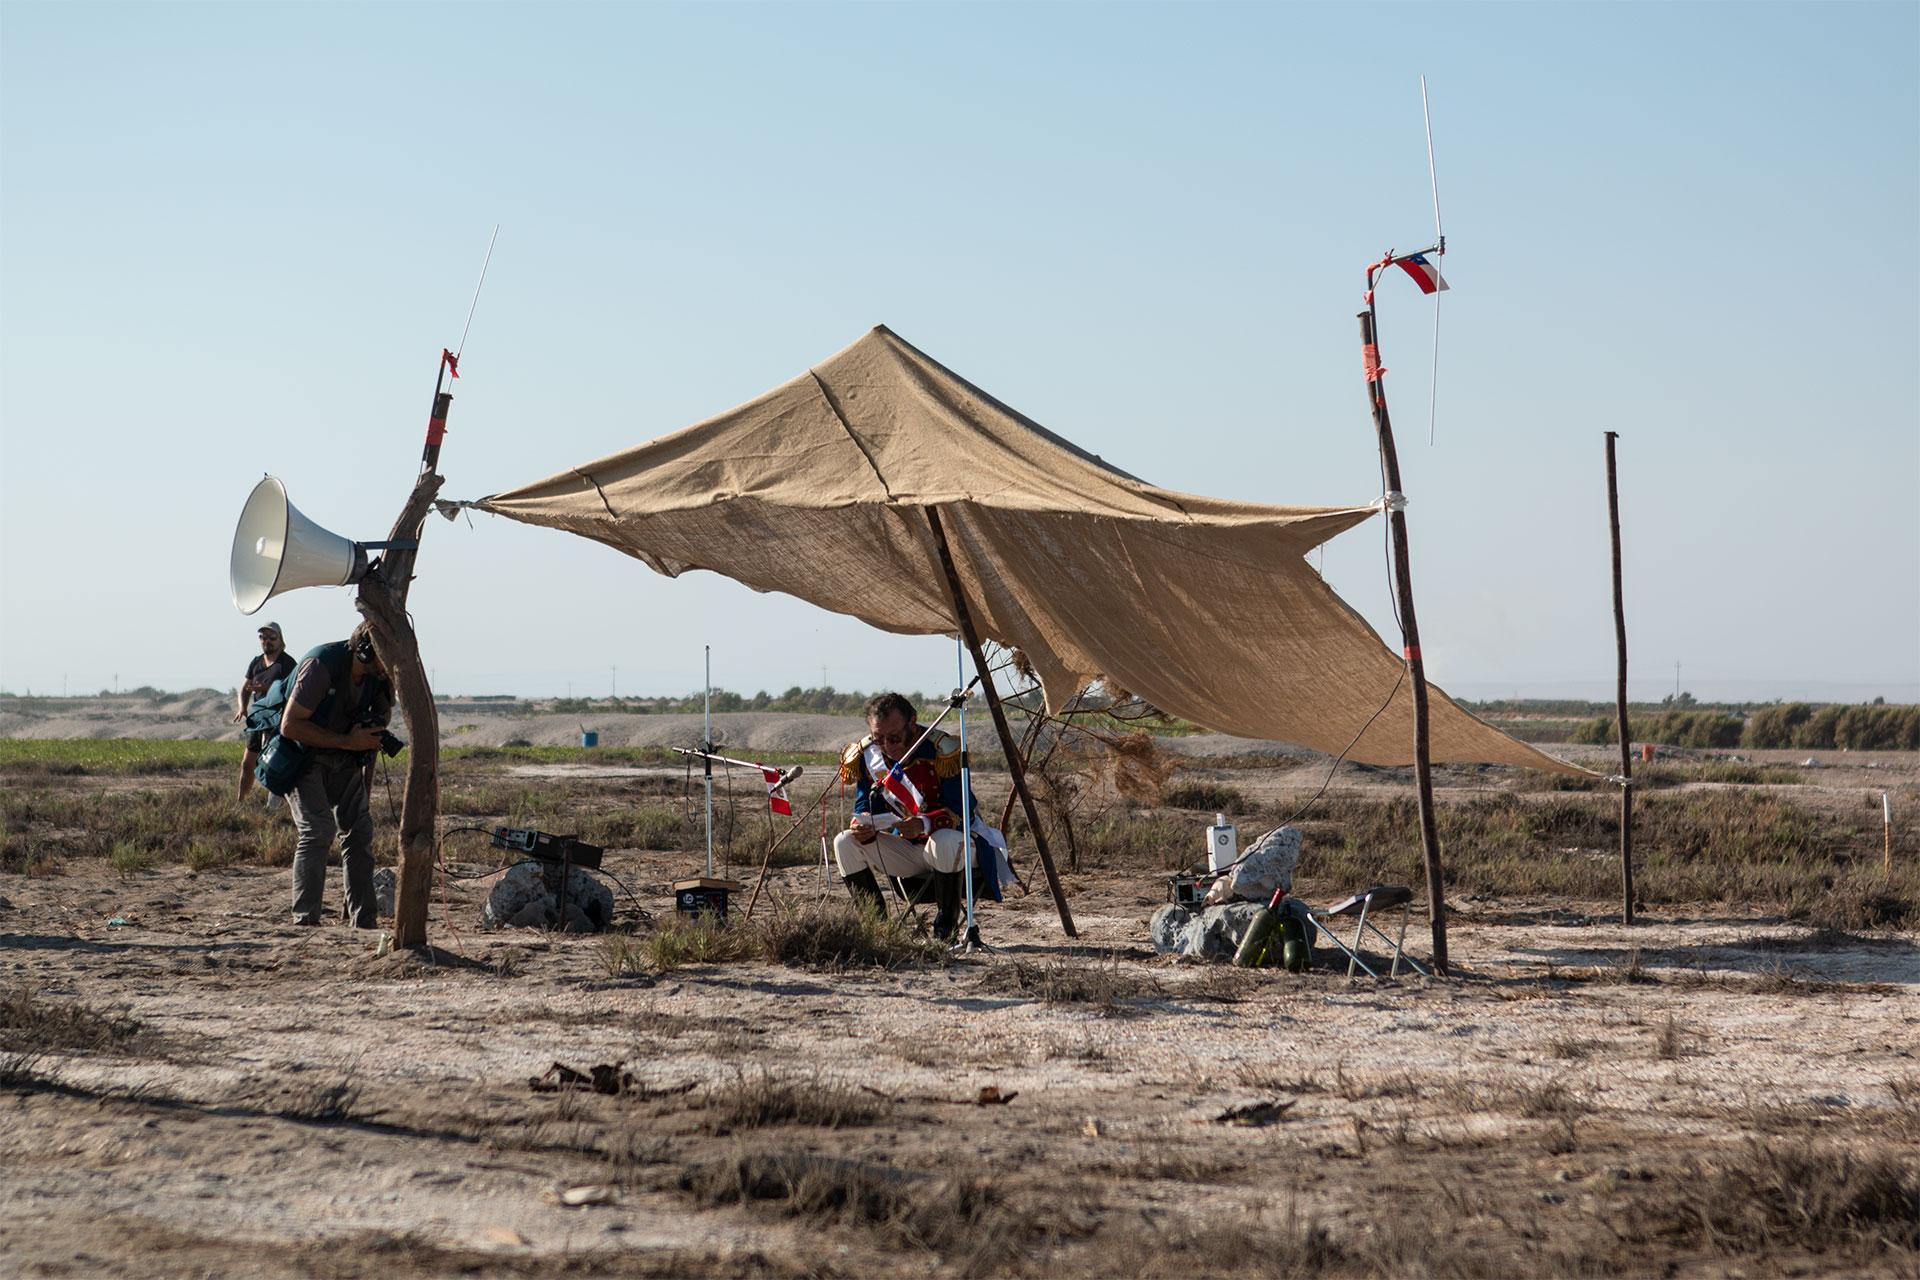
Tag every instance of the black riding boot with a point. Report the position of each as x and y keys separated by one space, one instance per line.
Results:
x=946 y=898
x=866 y=891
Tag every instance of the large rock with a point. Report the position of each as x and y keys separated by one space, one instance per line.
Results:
x=1265 y=867
x=1215 y=932
x=521 y=900
x=1212 y=934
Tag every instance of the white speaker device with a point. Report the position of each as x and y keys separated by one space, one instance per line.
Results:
x=276 y=549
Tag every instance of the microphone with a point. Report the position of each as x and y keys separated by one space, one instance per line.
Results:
x=787 y=777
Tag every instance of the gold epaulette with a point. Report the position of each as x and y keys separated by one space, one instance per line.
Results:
x=850 y=761
x=946 y=755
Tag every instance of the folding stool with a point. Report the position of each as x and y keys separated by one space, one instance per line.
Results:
x=1377 y=899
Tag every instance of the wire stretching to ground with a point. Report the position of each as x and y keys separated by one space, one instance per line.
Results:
x=1406 y=665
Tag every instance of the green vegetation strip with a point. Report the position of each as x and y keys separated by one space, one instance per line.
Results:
x=114 y=755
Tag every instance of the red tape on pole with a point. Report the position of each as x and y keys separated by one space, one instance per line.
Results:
x=1370 y=360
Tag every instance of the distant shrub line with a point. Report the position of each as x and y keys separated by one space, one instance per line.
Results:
x=823 y=701
x=1796 y=725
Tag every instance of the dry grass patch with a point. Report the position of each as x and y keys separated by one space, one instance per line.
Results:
x=331 y=1102
x=1228 y=1245
x=1771 y=1197
x=763 y=1100
x=1107 y=987
x=1183 y=1161
x=838 y=934
x=677 y=943
x=1265 y=1079
x=30 y=1025
x=1675 y=1039
x=960 y=1215
x=1354 y=1088
x=1573 y=1048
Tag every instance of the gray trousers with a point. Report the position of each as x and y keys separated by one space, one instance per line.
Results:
x=331 y=799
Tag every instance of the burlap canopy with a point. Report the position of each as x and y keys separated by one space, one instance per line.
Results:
x=1206 y=608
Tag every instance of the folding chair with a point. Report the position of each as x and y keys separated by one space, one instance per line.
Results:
x=1377 y=899
x=909 y=892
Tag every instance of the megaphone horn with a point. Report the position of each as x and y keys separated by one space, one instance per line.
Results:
x=276 y=549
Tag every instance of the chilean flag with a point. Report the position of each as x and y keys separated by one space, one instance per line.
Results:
x=1425 y=274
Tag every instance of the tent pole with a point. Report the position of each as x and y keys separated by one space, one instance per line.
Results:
x=967 y=633
x=1409 y=631
x=1626 y=747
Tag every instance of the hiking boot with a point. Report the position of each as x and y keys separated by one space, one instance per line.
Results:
x=308 y=918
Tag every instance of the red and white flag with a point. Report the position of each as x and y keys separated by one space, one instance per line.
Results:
x=776 y=791
x=1425 y=273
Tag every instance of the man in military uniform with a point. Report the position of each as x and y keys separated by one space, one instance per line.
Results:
x=906 y=814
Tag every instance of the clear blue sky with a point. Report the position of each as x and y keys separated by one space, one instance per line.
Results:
x=234 y=238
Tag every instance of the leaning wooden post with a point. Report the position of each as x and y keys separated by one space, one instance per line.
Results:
x=965 y=619
x=383 y=600
x=1409 y=629
x=1626 y=748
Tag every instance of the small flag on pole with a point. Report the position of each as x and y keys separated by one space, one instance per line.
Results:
x=776 y=792
x=1425 y=272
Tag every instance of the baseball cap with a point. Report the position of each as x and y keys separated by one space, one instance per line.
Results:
x=275 y=628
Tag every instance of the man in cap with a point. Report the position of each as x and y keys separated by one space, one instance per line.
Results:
x=271 y=664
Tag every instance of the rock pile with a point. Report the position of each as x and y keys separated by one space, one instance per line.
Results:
x=523 y=900
x=1214 y=932
x=1266 y=866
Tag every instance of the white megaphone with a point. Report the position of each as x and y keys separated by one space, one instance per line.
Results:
x=276 y=549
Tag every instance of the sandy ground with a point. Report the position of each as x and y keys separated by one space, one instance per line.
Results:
x=207 y=1154
x=295 y=1103
x=298 y=1104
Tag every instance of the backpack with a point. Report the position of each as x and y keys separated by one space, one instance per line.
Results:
x=283 y=762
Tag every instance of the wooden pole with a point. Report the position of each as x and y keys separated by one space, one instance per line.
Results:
x=383 y=600
x=1620 y=640
x=965 y=618
x=1409 y=631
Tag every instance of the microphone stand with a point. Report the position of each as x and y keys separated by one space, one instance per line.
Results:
x=969 y=940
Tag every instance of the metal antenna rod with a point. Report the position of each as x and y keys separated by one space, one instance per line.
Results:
x=1440 y=237
x=706 y=747
x=970 y=937
x=476 y=292
x=1433 y=175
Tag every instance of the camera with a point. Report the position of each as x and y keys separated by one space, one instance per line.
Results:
x=389 y=745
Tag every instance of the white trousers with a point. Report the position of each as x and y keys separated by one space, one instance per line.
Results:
x=890 y=855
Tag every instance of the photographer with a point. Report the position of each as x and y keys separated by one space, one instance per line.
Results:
x=339 y=706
